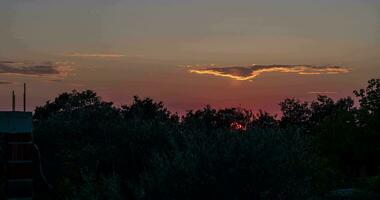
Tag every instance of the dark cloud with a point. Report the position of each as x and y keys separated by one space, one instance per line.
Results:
x=52 y=69
x=251 y=72
x=6 y=61
x=5 y=82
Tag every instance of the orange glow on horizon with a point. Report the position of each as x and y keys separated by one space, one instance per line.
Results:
x=237 y=126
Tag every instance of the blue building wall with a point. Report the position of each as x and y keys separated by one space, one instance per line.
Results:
x=15 y=122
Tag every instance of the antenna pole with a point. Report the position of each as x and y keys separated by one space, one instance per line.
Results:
x=24 y=97
x=13 y=101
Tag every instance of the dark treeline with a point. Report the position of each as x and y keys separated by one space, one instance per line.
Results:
x=91 y=149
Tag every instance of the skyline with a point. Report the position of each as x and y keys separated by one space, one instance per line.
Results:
x=162 y=49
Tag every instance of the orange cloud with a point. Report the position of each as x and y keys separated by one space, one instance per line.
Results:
x=242 y=73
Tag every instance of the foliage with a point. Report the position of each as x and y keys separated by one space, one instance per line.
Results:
x=93 y=150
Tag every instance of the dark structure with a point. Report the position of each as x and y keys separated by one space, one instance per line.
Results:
x=17 y=152
x=17 y=130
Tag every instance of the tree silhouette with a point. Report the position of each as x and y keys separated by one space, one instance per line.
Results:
x=295 y=113
x=94 y=150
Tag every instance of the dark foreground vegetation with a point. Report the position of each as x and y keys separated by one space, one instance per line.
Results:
x=93 y=150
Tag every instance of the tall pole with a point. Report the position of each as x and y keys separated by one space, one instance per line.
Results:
x=13 y=101
x=24 y=97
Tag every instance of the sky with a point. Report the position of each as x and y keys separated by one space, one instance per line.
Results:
x=248 y=53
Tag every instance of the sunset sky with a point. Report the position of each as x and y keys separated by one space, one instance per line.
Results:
x=188 y=53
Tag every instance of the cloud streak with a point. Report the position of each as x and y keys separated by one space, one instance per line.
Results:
x=5 y=82
x=322 y=92
x=243 y=73
x=93 y=55
x=56 y=70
